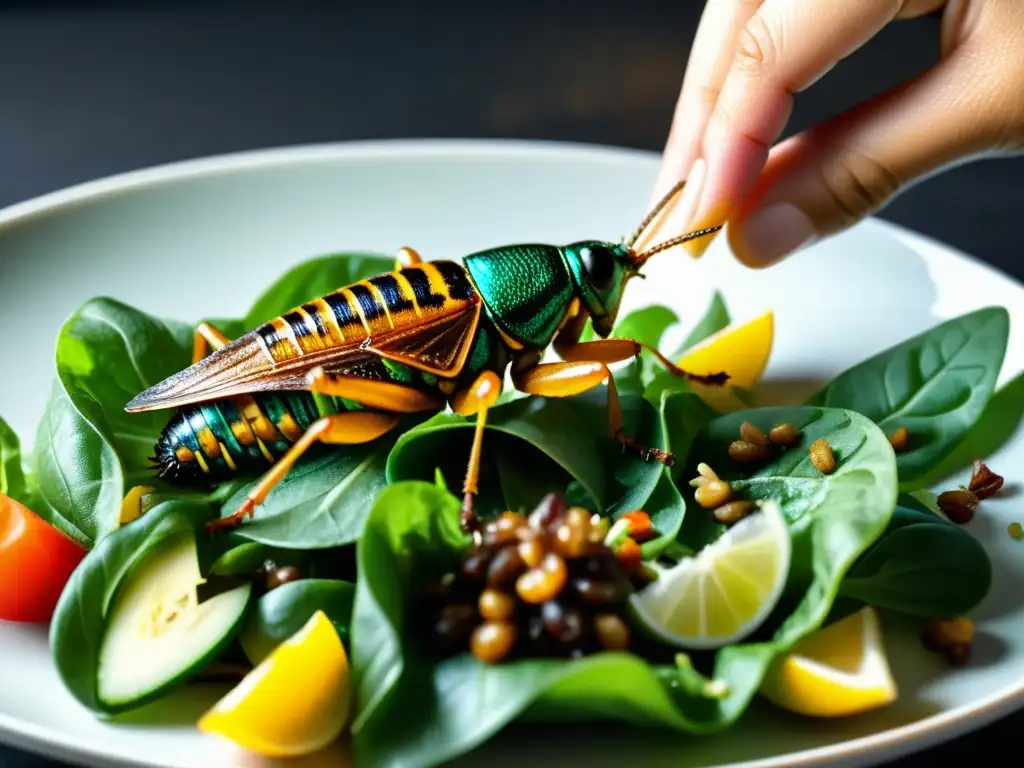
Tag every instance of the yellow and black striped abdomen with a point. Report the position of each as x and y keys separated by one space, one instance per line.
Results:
x=380 y=306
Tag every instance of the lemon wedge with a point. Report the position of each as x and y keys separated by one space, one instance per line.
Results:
x=742 y=351
x=726 y=591
x=295 y=702
x=839 y=670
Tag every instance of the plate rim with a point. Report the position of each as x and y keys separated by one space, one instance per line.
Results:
x=882 y=745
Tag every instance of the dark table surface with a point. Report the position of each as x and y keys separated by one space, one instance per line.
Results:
x=89 y=89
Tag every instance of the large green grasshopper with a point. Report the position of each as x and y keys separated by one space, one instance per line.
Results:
x=343 y=368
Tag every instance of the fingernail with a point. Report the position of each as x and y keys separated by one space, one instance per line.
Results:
x=772 y=234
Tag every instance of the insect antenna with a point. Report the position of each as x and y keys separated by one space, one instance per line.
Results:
x=658 y=208
x=640 y=258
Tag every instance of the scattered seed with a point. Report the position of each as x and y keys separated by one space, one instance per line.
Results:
x=713 y=494
x=784 y=434
x=1016 y=531
x=496 y=606
x=959 y=506
x=753 y=435
x=734 y=511
x=543 y=583
x=611 y=631
x=822 y=457
x=742 y=451
x=984 y=482
x=566 y=624
x=282 y=576
x=943 y=633
x=899 y=440
x=492 y=641
x=505 y=568
x=704 y=475
x=532 y=551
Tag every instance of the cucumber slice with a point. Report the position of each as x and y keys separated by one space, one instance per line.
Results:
x=158 y=634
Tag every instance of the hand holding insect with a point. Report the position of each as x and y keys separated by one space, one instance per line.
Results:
x=749 y=59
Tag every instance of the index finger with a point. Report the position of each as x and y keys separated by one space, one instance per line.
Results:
x=784 y=48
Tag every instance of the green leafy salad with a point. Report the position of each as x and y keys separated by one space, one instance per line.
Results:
x=602 y=586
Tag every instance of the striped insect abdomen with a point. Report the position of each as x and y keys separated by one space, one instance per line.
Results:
x=243 y=435
x=368 y=309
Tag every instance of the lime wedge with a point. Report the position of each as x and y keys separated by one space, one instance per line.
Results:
x=726 y=591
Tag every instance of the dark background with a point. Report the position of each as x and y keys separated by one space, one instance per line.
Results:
x=89 y=89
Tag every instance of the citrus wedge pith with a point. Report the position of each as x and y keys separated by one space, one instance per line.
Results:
x=839 y=670
x=295 y=702
x=726 y=591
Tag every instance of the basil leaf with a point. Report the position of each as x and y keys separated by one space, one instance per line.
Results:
x=922 y=566
x=12 y=475
x=79 y=620
x=283 y=611
x=935 y=384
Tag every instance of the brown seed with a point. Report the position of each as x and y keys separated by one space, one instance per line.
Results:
x=753 y=435
x=611 y=631
x=984 y=482
x=943 y=633
x=475 y=566
x=282 y=576
x=784 y=434
x=532 y=551
x=713 y=494
x=505 y=568
x=492 y=641
x=566 y=624
x=572 y=535
x=959 y=506
x=822 y=457
x=734 y=511
x=454 y=625
x=543 y=583
x=899 y=440
x=496 y=606
x=957 y=654
x=742 y=451
x=550 y=509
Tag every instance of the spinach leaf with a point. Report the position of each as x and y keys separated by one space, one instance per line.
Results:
x=715 y=319
x=833 y=520
x=999 y=422
x=935 y=384
x=535 y=445
x=921 y=566
x=79 y=619
x=313 y=278
x=646 y=325
x=417 y=711
x=322 y=502
x=283 y=611
x=89 y=451
x=12 y=475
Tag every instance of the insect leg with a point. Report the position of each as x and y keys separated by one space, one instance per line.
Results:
x=617 y=350
x=385 y=395
x=573 y=378
x=477 y=398
x=407 y=257
x=207 y=338
x=348 y=428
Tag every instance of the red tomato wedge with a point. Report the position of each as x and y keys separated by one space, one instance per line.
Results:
x=36 y=561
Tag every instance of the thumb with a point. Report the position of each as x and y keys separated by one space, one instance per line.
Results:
x=825 y=180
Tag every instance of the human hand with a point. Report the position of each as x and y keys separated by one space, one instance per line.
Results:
x=749 y=58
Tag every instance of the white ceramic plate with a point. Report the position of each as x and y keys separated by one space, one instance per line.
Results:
x=204 y=237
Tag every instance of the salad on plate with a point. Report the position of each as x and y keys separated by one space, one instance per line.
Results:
x=600 y=583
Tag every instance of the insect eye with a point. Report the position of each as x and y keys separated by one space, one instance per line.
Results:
x=599 y=264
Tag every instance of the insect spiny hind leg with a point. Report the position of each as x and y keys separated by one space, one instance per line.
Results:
x=349 y=428
x=207 y=338
x=573 y=378
x=407 y=257
x=480 y=396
